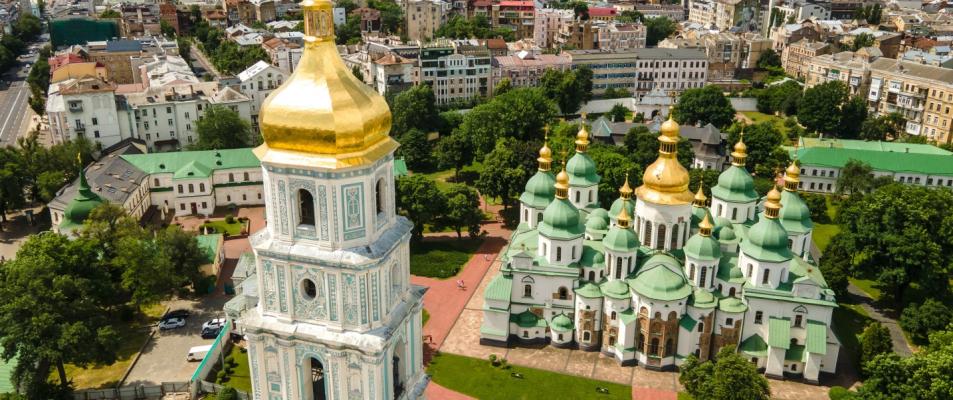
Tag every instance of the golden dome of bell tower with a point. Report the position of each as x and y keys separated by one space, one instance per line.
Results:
x=322 y=115
x=666 y=181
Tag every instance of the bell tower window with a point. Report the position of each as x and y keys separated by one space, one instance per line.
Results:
x=305 y=208
x=379 y=195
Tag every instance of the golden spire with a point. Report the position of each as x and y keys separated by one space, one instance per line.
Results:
x=625 y=191
x=322 y=109
x=622 y=220
x=700 y=199
x=740 y=154
x=792 y=175
x=666 y=181
x=545 y=153
x=772 y=206
x=562 y=183
x=582 y=137
x=704 y=227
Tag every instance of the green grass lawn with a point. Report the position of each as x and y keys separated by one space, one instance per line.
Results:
x=425 y=317
x=758 y=117
x=132 y=335
x=441 y=258
x=684 y=396
x=867 y=286
x=220 y=226
x=849 y=321
x=823 y=233
x=478 y=378
x=240 y=378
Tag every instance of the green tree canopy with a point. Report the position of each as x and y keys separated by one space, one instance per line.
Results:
x=769 y=59
x=862 y=40
x=221 y=128
x=419 y=199
x=416 y=149
x=820 y=107
x=782 y=98
x=569 y=89
x=617 y=113
x=924 y=375
x=463 y=210
x=414 y=108
x=657 y=29
x=613 y=166
x=503 y=173
x=922 y=319
x=874 y=341
x=765 y=155
x=729 y=377
x=454 y=151
x=855 y=178
x=520 y=113
x=705 y=105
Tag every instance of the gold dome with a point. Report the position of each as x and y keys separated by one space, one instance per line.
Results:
x=705 y=227
x=740 y=154
x=772 y=203
x=623 y=219
x=562 y=183
x=625 y=191
x=700 y=199
x=545 y=159
x=322 y=109
x=792 y=176
x=666 y=181
x=582 y=138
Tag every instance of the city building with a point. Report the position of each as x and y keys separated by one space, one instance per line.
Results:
x=334 y=314
x=800 y=10
x=796 y=56
x=922 y=94
x=84 y=108
x=425 y=17
x=708 y=146
x=392 y=73
x=821 y=162
x=370 y=19
x=659 y=276
x=642 y=70
x=621 y=37
x=116 y=55
x=548 y=24
x=852 y=68
x=745 y=15
x=257 y=82
x=516 y=15
x=674 y=12
x=525 y=69
x=455 y=71
x=788 y=34
x=725 y=52
x=284 y=53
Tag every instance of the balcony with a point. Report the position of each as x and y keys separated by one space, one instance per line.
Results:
x=79 y=128
x=76 y=106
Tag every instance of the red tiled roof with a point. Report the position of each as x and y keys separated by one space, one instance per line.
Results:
x=63 y=59
x=516 y=3
x=602 y=11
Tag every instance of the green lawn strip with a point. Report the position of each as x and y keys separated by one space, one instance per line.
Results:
x=849 y=321
x=823 y=233
x=441 y=258
x=480 y=379
x=240 y=378
x=867 y=286
x=132 y=335
x=425 y=317
x=758 y=117
x=220 y=226
x=684 y=396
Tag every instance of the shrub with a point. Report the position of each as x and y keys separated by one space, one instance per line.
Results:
x=229 y=360
x=493 y=360
x=227 y=394
x=840 y=393
x=221 y=376
x=229 y=219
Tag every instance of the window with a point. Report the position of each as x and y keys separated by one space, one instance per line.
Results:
x=244 y=197
x=701 y=326
x=585 y=336
x=592 y=276
x=182 y=206
x=674 y=236
x=691 y=272
x=204 y=205
x=764 y=279
x=305 y=207
x=201 y=187
x=758 y=317
x=180 y=188
x=660 y=239
x=702 y=278
x=231 y=177
x=653 y=347
x=527 y=290
x=729 y=321
x=750 y=270
x=191 y=188
x=155 y=182
x=612 y=316
x=793 y=367
x=170 y=121
x=577 y=196
x=731 y=292
x=95 y=121
x=247 y=177
x=797 y=320
x=563 y=293
x=525 y=334
x=378 y=195
x=308 y=289
x=669 y=346
x=559 y=337
x=647 y=235
x=559 y=253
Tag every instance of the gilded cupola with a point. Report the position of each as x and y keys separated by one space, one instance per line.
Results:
x=323 y=115
x=740 y=153
x=666 y=181
x=792 y=177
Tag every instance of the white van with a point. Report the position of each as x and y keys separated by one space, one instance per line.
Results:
x=197 y=353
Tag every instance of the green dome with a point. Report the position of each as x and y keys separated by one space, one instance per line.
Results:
x=767 y=241
x=588 y=290
x=735 y=273
x=658 y=280
x=616 y=207
x=795 y=216
x=735 y=185
x=597 y=221
x=722 y=222
x=732 y=305
x=703 y=248
x=592 y=257
x=561 y=221
x=561 y=323
x=79 y=208
x=727 y=234
x=616 y=289
x=698 y=213
x=702 y=298
x=540 y=190
x=621 y=240
x=582 y=170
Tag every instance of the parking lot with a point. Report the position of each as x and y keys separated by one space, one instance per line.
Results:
x=163 y=359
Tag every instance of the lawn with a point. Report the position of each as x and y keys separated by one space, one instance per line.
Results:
x=132 y=335
x=823 y=233
x=425 y=317
x=867 y=286
x=849 y=321
x=220 y=226
x=240 y=378
x=480 y=379
x=441 y=258
x=758 y=117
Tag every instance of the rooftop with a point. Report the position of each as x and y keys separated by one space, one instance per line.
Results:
x=888 y=65
x=197 y=162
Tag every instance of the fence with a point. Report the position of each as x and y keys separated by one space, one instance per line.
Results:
x=214 y=356
x=141 y=392
x=209 y=387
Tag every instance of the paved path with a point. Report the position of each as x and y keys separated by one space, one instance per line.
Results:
x=900 y=344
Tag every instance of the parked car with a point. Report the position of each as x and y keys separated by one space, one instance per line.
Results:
x=197 y=353
x=171 y=323
x=214 y=323
x=180 y=313
x=211 y=333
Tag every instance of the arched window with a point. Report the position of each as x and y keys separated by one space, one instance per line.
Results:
x=559 y=253
x=719 y=288
x=750 y=270
x=658 y=316
x=718 y=212
x=691 y=272
x=731 y=292
x=577 y=196
x=563 y=293
x=379 y=195
x=559 y=337
x=612 y=316
x=180 y=188
x=729 y=321
x=585 y=336
x=573 y=252
x=611 y=340
x=527 y=290
x=702 y=278
x=647 y=234
x=660 y=237
x=539 y=217
x=525 y=334
x=155 y=182
x=653 y=347
x=305 y=207
x=247 y=178
x=669 y=344
x=734 y=213
x=701 y=326
x=640 y=342
x=672 y=316
x=674 y=236
x=545 y=253
x=766 y=276
x=618 y=270
x=191 y=188
x=590 y=197
x=592 y=276
x=231 y=177
x=526 y=216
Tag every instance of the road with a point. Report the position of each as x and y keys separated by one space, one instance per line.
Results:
x=14 y=101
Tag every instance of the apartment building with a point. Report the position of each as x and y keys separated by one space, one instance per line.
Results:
x=723 y=50
x=800 y=10
x=621 y=37
x=794 y=58
x=643 y=70
x=425 y=17
x=455 y=71
x=283 y=53
x=785 y=35
x=674 y=12
x=922 y=94
x=516 y=15
x=525 y=69
x=578 y=34
x=257 y=82
x=116 y=56
x=547 y=25
x=852 y=68
x=726 y=14
x=392 y=73
x=84 y=108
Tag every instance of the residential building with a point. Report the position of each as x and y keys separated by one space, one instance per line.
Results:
x=392 y=73
x=725 y=52
x=84 y=108
x=621 y=37
x=845 y=9
x=928 y=58
x=516 y=15
x=922 y=94
x=257 y=82
x=424 y=17
x=160 y=70
x=795 y=57
x=116 y=55
x=788 y=34
x=525 y=69
x=726 y=14
x=642 y=70
x=370 y=19
x=852 y=68
x=800 y=10
x=74 y=67
x=822 y=160
x=708 y=145
x=674 y=12
x=578 y=34
x=138 y=20
x=548 y=24
x=284 y=54
x=659 y=275
x=604 y=14
x=888 y=42
x=455 y=72
x=216 y=18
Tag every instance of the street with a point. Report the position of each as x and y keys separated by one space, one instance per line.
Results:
x=14 y=101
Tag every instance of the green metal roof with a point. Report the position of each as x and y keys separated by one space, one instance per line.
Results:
x=400 y=167
x=582 y=170
x=732 y=305
x=657 y=281
x=621 y=239
x=702 y=298
x=628 y=316
x=491 y=331
x=767 y=241
x=779 y=332
x=561 y=220
x=561 y=323
x=704 y=248
x=754 y=346
x=499 y=288
x=795 y=353
x=806 y=142
x=615 y=288
x=527 y=319
x=592 y=257
x=210 y=246
x=728 y=270
x=79 y=208
x=687 y=322
x=588 y=290
x=540 y=190
x=735 y=185
x=198 y=162
x=795 y=216
x=816 y=337
x=597 y=222
x=890 y=161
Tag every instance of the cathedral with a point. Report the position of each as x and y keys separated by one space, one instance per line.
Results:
x=660 y=275
x=336 y=315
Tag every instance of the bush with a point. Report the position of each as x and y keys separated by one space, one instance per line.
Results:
x=227 y=394
x=923 y=319
x=840 y=393
x=221 y=376
x=493 y=360
x=229 y=219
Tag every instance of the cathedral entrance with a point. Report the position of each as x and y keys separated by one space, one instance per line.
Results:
x=399 y=372
x=317 y=379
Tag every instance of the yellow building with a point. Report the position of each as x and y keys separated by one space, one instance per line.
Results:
x=79 y=70
x=922 y=94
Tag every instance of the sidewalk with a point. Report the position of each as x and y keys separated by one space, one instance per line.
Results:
x=900 y=344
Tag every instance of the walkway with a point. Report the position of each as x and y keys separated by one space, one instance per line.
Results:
x=900 y=344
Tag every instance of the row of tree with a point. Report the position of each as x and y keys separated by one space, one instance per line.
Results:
x=456 y=208
x=60 y=298
x=31 y=172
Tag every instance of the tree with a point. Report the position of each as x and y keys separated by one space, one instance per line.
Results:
x=167 y=29
x=227 y=393
x=729 y=377
x=769 y=59
x=853 y=113
x=617 y=113
x=221 y=128
x=641 y=145
x=27 y=27
x=569 y=89
x=53 y=307
x=765 y=155
x=350 y=31
x=414 y=108
x=416 y=150
x=874 y=340
x=463 y=210
x=419 y=199
x=782 y=98
x=616 y=93
x=146 y=273
x=705 y=105
x=921 y=320
x=657 y=29
x=923 y=375
x=873 y=129
x=862 y=40
x=820 y=107
x=392 y=17
x=110 y=13
x=613 y=167
x=503 y=86
x=630 y=16
x=520 y=113
x=855 y=178
x=453 y=151
x=185 y=49
x=182 y=250
x=503 y=175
